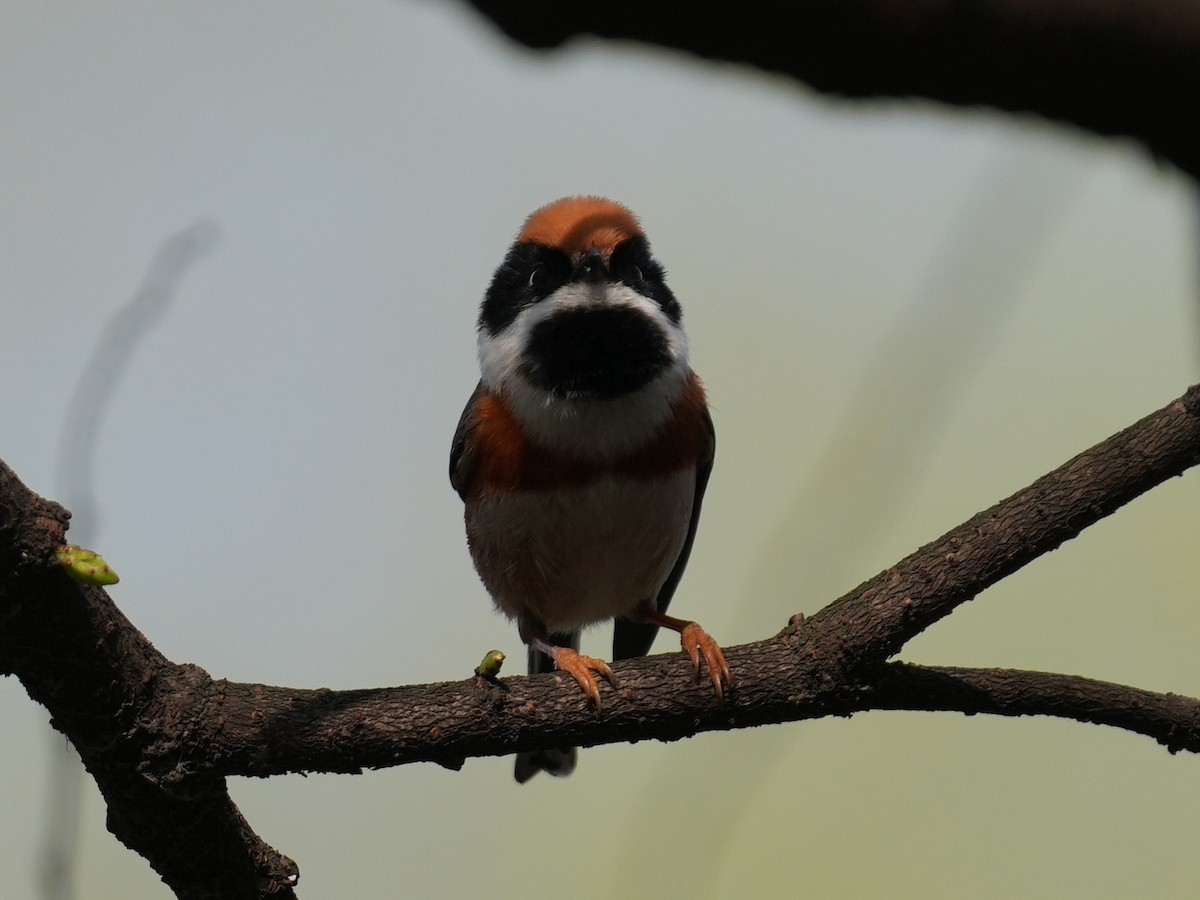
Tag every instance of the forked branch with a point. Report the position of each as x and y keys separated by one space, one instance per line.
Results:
x=160 y=738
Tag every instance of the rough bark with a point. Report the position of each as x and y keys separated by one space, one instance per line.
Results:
x=122 y=704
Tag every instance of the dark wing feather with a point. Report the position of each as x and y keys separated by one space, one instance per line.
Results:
x=632 y=639
x=462 y=460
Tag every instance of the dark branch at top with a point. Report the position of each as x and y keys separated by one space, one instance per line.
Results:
x=1114 y=67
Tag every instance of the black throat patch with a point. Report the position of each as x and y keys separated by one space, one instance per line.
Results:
x=596 y=351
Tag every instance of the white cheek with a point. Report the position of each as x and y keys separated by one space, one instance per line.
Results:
x=499 y=356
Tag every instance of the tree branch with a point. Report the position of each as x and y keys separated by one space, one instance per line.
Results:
x=160 y=738
x=115 y=697
x=898 y=604
x=1170 y=719
x=1115 y=67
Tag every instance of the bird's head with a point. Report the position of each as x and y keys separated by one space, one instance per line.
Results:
x=579 y=314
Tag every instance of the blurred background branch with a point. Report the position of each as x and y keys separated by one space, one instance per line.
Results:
x=1113 y=67
x=75 y=486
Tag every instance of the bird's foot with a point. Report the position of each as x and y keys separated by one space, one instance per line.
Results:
x=697 y=643
x=580 y=668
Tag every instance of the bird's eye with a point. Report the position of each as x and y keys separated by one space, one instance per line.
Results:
x=535 y=277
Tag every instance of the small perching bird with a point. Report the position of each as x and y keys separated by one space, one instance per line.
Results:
x=583 y=453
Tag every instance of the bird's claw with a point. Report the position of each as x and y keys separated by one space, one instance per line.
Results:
x=580 y=668
x=696 y=642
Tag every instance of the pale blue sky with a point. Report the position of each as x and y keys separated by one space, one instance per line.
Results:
x=902 y=315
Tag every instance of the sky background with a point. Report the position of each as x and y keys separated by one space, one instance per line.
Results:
x=902 y=314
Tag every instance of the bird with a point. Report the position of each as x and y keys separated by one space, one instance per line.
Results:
x=583 y=454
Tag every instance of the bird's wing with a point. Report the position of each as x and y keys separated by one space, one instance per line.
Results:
x=632 y=639
x=462 y=458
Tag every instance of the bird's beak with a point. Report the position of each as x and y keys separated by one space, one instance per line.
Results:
x=592 y=268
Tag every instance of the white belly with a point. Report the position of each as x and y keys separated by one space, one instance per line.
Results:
x=572 y=558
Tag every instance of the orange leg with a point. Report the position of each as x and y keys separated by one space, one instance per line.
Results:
x=575 y=664
x=696 y=643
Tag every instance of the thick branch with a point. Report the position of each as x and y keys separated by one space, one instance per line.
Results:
x=1115 y=67
x=346 y=731
x=114 y=696
x=160 y=738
